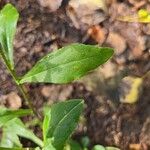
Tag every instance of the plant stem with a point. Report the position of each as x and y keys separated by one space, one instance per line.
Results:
x=20 y=86
x=27 y=99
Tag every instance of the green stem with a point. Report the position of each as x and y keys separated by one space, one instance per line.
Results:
x=20 y=86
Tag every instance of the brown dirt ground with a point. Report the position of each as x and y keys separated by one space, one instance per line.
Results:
x=108 y=122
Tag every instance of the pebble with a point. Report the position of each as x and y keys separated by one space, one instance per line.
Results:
x=13 y=100
x=46 y=91
x=117 y=42
x=52 y=5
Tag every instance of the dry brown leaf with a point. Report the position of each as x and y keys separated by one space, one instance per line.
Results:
x=135 y=147
x=130 y=89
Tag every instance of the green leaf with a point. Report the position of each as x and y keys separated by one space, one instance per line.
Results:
x=85 y=141
x=73 y=145
x=60 y=121
x=98 y=147
x=10 y=139
x=48 y=145
x=2 y=148
x=68 y=64
x=15 y=128
x=112 y=148
x=37 y=148
x=8 y=20
x=8 y=114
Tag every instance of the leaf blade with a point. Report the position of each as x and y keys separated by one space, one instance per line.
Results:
x=10 y=139
x=112 y=148
x=8 y=114
x=67 y=64
x=3 y=148
x=8 y=21
x=63 y=118
x=15 y=127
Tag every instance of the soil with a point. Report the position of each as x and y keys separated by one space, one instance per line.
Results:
x=107 y=120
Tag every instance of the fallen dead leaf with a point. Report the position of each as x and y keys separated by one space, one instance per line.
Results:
x=135 y=147
x=130 y=89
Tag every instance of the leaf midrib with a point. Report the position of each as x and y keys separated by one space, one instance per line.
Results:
x=64 y=64
x=66 y=116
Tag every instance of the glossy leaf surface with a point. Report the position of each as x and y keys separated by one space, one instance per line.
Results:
x=3 y=148
x=10 y=139
x=48 y=145
x=98 y=147
x=60 y=121
x=15 y=129
x=68 y=64
x=7 y=114
x=73 y=145
x=8 y=20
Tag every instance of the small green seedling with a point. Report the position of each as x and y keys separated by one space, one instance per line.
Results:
x=100 y=147
x=62 y=66
x=84 y=145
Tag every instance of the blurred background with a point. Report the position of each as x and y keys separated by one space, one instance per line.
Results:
x=117 y=97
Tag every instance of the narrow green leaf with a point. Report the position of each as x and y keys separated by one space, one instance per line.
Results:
x=10 y=139
x=60 y=121
x=15 y=127
x=68 y=64
x=3 y=148
x=8 y=114
x=8 y=20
